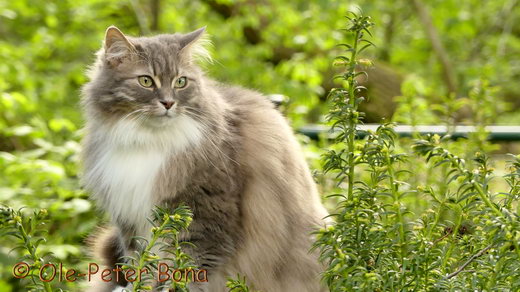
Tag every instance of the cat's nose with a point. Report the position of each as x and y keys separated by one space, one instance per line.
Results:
x=167 y=104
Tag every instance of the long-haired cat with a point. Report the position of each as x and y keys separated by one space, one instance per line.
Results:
x=160 y=132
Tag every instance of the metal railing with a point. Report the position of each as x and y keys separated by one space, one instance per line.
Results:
x=496 y=133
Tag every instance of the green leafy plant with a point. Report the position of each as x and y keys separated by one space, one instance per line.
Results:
x=238 y=285
x=29 y=232
x=466 y=236
x=164 y=240
x=484 y=223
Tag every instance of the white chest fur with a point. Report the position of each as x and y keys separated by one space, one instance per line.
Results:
x=128 y=178
x=124 y=172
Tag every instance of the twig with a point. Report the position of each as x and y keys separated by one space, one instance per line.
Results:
x=472 y=258
x=142 y=19
x=508 y=9
x=442 y=237
x=156 y=12
x=438 y=48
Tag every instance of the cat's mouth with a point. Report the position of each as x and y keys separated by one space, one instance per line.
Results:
x=164 y=114
x=167 y=114
x=163 y=119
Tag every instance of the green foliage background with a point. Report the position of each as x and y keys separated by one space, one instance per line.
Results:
x=276 y=47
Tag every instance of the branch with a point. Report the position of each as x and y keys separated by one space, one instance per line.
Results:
x=156 y=8
x=507 y=10
x=438 y=48
x=472 y=258
x=141 y=17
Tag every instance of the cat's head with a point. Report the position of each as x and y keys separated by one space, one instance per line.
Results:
x=150 y=81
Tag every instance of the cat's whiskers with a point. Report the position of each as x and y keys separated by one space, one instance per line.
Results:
x=219 y=152
x=210 y=133
x=112 y=131
x=203 y=152
x=210 y=140
x=131 y=113
x=199 y=115
x=140 y=119
x=217 y=148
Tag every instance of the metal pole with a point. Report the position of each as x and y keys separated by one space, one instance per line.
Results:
x=496 y=133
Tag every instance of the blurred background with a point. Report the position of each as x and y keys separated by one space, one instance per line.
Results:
x=440 y=62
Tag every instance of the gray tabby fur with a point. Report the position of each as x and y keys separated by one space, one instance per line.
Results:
x=222 y=150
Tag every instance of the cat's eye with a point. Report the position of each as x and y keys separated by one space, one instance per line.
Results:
x=181 y=82
x=145 y=81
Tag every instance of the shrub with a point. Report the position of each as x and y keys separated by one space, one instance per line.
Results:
x=468 y=236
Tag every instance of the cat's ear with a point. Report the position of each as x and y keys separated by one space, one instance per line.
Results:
x=117 y=46
x=194 y=45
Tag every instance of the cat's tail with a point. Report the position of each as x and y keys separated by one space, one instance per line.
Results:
x=107 y=250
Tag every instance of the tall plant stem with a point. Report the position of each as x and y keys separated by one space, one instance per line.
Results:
x=147 y=250
x=32 y=251
x=397 y=203
x=352 y=122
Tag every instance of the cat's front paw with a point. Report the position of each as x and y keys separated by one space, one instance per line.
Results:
x=123 y=289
